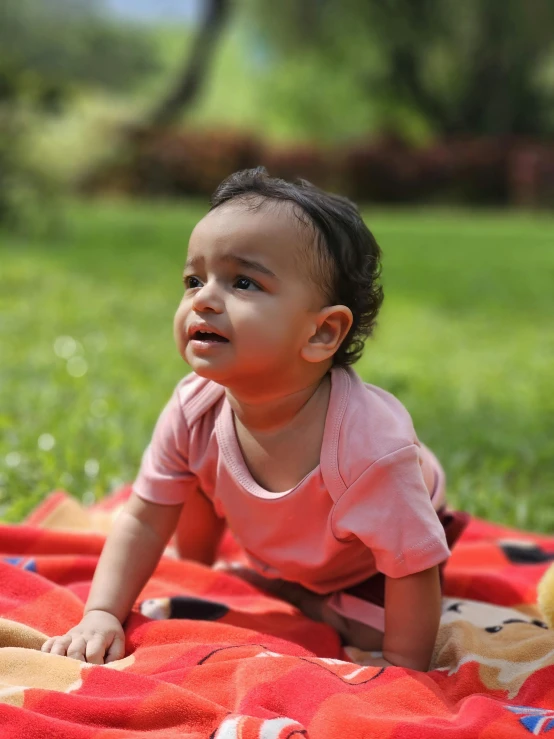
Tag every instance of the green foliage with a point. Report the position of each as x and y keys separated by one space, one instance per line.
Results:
x=46 y=49
x=28 y=192
x=435 y=66
x=292 y=94
x=466 y=341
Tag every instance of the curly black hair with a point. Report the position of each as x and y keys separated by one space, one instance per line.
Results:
x=347 y=262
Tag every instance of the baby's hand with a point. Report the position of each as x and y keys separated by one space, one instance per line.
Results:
x=97 y=639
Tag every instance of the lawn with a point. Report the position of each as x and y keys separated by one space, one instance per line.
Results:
x=466 y=341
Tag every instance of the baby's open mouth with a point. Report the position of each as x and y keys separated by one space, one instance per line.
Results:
x=208 y=336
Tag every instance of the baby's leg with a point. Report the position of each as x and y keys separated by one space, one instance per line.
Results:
x=353 y=633
x=199 y=530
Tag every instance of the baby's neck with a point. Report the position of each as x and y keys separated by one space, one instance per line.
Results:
x=280 y=412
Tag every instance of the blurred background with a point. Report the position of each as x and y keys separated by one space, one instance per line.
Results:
x=119 y=118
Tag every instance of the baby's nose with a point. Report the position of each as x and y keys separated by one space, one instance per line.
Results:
x=208 y=299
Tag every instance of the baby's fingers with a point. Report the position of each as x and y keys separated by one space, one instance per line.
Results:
x=48 y=644
x=95 y=649
x=77 y=648
x=116 y=650
x=57 y=645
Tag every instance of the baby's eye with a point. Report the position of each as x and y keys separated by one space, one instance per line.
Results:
x=191 y=282
x=245 y=283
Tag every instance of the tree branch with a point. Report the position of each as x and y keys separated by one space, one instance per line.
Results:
x=189 y=83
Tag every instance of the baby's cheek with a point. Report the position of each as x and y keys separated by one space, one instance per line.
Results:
x=265 y=338
x=179 y=333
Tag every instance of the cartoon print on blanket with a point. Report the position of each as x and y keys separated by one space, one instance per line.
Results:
x=507 y=645
x=183 y=606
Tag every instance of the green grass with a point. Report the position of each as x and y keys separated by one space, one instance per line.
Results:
x=466 y=341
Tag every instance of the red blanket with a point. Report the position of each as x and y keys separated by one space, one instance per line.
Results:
x=227 y=662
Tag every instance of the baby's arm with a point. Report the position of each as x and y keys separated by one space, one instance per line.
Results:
x=412 y=616
x=130 y=555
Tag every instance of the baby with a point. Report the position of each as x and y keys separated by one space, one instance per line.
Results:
x=319 y=476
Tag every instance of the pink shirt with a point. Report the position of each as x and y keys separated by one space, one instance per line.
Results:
x=365 y=508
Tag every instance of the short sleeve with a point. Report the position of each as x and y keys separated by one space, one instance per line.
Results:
x=164 y=475
x=389 y=509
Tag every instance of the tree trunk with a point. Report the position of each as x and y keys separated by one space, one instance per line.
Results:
x=192 y=77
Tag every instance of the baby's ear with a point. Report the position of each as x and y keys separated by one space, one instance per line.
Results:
x=332 y=325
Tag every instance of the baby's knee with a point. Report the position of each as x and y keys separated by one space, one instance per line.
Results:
x=364 y=637
x=353 y=633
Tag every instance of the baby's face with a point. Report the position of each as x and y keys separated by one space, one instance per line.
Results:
x=248 y=306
